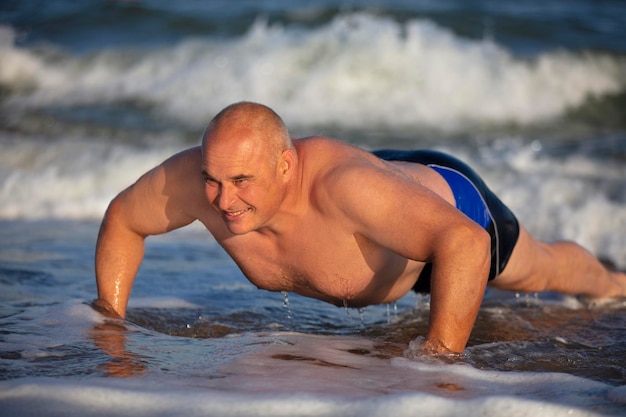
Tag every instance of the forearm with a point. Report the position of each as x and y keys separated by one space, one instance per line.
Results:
x=119 y=252
x=458 y=282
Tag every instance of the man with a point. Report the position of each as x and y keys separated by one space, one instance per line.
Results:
x=327 y=220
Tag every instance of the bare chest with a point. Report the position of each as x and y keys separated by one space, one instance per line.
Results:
x=332 y=267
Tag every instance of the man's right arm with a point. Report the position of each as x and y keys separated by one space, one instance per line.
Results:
x=160 y=201
x=119 y=252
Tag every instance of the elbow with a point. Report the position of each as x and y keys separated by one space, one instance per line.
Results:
x=116 y=208
x=110 y=219
x=477 y=241
x=116 y=215
x=114 y=229
x=470 y=244
x=113 y=209
x=483 y=243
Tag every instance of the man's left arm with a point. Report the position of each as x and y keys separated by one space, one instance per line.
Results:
x=416 y=223
x=460 y=267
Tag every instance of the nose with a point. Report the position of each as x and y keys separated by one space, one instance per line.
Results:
x=224 y=197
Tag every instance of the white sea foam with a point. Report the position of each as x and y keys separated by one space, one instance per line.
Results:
x=43 y=328
x=573 y=198
x=401 y=75
x=54 y=398
x=323 y=379
x=72 y=178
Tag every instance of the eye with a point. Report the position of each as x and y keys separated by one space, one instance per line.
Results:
x=240 y=182
x=209 y=181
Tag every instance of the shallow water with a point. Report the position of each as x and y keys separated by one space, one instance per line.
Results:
x=195 y=325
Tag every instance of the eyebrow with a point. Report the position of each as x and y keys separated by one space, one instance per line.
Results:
x=242 y=177
x=206 y=175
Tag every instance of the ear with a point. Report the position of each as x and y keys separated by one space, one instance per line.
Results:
x=287 y=164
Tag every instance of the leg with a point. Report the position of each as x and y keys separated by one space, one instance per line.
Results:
x=565 y=267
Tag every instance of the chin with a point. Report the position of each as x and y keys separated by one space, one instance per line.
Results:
x=236 y=229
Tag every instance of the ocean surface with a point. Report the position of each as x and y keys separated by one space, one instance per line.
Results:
x=94 y=93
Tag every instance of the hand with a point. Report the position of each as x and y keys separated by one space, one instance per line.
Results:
x=422 y=348
x=103 y=307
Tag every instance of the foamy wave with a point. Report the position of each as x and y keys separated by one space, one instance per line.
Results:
x=568 y=198
x=123 y=396
x=70 y=179
x=573 y=198
x=260 y=381
x=357 y=71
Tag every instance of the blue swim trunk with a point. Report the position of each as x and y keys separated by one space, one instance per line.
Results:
x=474 y=199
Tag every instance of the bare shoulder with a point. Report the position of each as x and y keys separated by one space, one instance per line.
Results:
x=324 y=157
x=319 y=145
x=341 y=176
x=181 y=184
x=341 y=164
x=183 y=163
x=177 y=175
x=367 y=188
x=166 y=197
x=382 y=201
x=351 y=171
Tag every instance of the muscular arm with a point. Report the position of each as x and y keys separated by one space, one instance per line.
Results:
x=119 y=252
x=401 y=215
x=459 y=277
x=163 y=199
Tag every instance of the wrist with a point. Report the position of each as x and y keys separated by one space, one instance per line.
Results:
x=105 y=308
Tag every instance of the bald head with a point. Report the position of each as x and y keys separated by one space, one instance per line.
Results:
x=254 y=123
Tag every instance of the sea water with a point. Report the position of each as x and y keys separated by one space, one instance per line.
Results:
x=93 y=94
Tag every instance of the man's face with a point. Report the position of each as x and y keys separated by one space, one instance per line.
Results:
x=241 y=181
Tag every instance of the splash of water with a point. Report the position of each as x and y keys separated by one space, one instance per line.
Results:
x=349 y=315
x=395 y=312
x=286 y=304
x=345 y=307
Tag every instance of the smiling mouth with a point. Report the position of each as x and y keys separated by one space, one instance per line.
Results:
x=234 y=215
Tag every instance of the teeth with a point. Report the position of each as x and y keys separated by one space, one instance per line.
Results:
x=235 y=213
